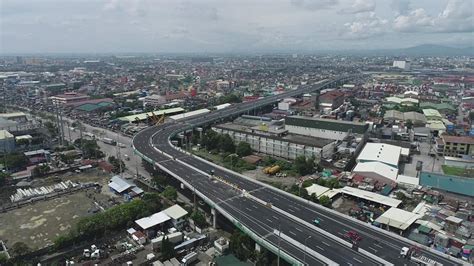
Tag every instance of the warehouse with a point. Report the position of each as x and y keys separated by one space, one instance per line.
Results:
x=324 y=128
x=383 y=153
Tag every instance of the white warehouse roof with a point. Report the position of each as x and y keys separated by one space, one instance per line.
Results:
x=315 y=188
x=371 y=196
x=378 y=168
x=398 y=218
x=153 y=220
x=381 y=152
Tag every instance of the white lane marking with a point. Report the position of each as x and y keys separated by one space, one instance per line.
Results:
x=359 y=261
x=274 y=217
x=375 y=250
x=378 y=245
x=270 y=221
x=318 y=247
x=291 y=210
x=325 y=243
x=299 y=229
x=248 y=209
x=292 y=233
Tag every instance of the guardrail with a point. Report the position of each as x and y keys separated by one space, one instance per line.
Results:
x=242 y=227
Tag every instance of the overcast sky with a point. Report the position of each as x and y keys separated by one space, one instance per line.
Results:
x=97 y=26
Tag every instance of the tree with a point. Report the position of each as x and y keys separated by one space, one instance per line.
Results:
x=167 y=249
x=241 y=245
x=14 y=161
x=409 y=124
x=226 y=143
x=170 y=193
x=303 y=165
x=89 y=148
x=19 y=249
x=152 y=201
x=199 y=219
x=40 y=170
x=325 y=201
x=243 y=149
x=118 y=165
x=66 y=158
x=3 y=178
x=3 y=259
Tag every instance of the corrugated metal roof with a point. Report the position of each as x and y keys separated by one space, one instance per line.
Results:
x=327 y=124
x=143 y=116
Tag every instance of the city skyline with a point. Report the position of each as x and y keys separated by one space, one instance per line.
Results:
x=146 y=26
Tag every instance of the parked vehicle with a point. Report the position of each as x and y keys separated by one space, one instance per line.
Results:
x=109 y=141
x=189 y=258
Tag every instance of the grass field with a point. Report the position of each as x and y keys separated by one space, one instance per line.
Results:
x=458 y=171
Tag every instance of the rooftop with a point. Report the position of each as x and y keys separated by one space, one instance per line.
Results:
x=458 y=139
x=398 y=218
x=378 y=168
x=143 y=116
x=327 y=124
x=5 y=134
x=381 y=152
x=175 y=212
x=153 y=220
x=119 y=184
x=371 y=196
x=432 y=113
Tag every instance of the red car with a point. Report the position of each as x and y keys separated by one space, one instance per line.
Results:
x=353 y=236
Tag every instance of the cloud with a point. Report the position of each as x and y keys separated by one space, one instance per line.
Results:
x=456 y=17
x=360 y=6
x=314 y=4
x=400 y=7
x=365 y=26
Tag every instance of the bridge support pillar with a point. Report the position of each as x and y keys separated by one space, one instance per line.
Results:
x=214 y=218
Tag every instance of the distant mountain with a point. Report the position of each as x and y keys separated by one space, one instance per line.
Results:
x=420 y=50
x=436 y=50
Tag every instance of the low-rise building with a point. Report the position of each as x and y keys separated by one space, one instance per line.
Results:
x=331 y=99
x=68 y=98
x=16 y=116
x=177 y=215
x=154 y=100
x=455 y=146
x=7 y=141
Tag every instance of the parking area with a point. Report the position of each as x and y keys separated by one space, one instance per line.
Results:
x=429 y=163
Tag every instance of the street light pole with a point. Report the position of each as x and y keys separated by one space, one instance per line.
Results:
x=279 y=240
x=304 y=255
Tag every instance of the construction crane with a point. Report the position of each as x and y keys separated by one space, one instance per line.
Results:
x=157 y=120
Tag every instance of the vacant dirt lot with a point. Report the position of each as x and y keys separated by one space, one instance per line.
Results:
x=40 y=223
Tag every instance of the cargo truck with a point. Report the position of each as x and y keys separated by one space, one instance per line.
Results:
x=109 y=141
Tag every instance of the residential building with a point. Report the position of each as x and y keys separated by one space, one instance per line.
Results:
x=324 y=128
x=68 y=98
x=331 y=99
x=455 y=146
x=177 y=215
x=7 y=142
x=154 y=100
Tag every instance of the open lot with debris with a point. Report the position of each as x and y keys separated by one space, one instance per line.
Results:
x=38 y=224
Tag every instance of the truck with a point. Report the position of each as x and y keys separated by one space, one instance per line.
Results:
x=109 y=141
x=189 y=258
x=413 y=254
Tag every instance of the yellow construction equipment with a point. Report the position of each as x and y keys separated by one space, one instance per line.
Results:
x=157 y=120
x=271 y=170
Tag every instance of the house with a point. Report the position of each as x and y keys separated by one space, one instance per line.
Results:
x=124 y=187
x=177 y=215
x=152 y=224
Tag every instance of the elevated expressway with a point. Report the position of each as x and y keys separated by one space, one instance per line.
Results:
x=277 y=220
